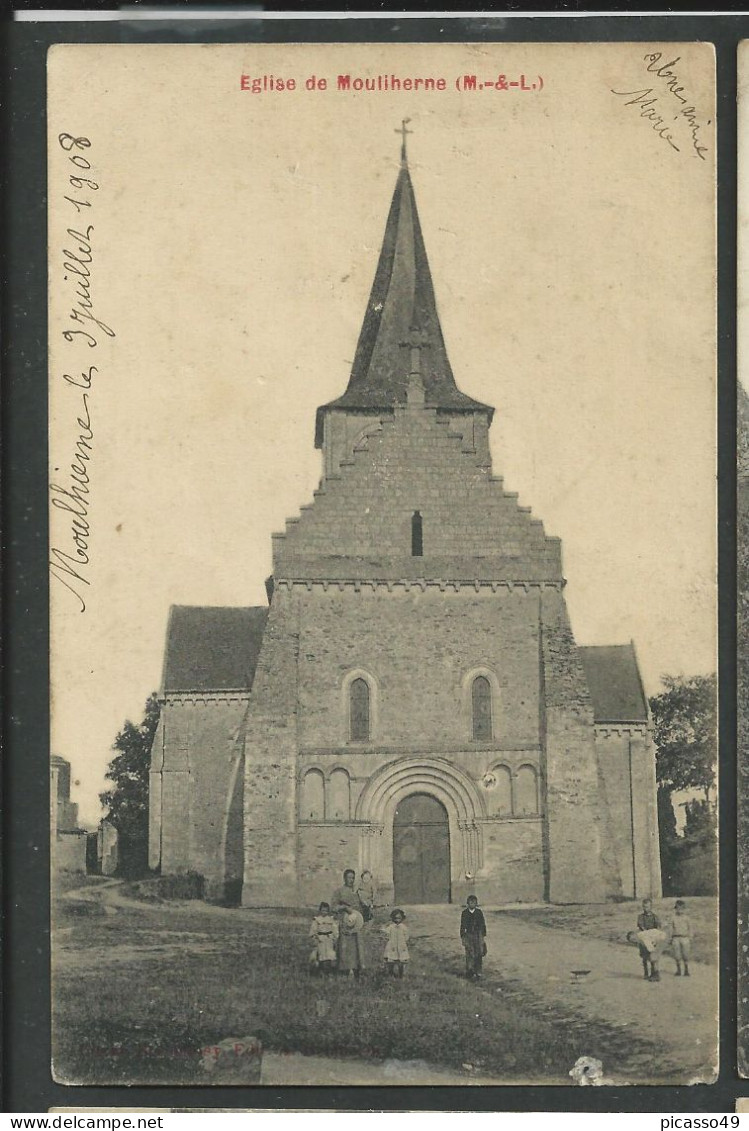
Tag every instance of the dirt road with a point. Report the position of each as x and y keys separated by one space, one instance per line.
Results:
x=679 y=1014
x=525 y=961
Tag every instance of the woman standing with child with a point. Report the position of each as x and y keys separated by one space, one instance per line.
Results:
x=350 y=951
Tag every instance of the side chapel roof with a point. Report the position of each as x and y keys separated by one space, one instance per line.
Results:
x=212 y=648
x=401 y=301
x=614 y=682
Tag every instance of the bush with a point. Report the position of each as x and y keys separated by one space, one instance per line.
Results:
x=161 y=889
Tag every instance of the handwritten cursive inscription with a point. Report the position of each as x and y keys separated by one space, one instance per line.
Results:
x=69 y=563
x=668 y=109
x=648 y=110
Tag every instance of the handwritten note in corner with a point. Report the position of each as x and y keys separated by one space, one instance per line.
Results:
x=667 y=106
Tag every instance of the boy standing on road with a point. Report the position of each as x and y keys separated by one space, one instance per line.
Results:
x=473 y=937
x=681 y=937
x=647 y=920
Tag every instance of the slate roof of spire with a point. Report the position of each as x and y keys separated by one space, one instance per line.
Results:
x=402 y=299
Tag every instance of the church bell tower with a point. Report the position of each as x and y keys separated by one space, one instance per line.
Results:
x=412 y=701
x=418 y=658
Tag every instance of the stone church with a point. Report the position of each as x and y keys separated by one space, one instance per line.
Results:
x=412 y=700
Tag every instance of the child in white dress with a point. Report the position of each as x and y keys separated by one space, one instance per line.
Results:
x=324 y=934
x=396 y=948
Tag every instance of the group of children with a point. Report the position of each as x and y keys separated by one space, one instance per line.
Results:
x=337 y=943
x=336 y=932
x=651 y=939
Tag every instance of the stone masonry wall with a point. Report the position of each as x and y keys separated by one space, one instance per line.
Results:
x=632 y=806
x=270 y=804
x=363 y=515
x=347 y=431
x=647 y=850
x=68 y=852
x=155 y=800
x=513 y=863
x=613 y=759
x=350 y=599
x=325 y=850
x=195 y=749
x=580 y=855
x=419 y=649
x=216 y=741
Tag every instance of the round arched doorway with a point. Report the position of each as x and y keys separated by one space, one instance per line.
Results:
x=421 y=850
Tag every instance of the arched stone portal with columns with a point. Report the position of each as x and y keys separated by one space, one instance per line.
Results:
x=437 y=778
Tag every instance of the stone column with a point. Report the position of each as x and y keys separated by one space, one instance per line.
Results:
x=472 y=856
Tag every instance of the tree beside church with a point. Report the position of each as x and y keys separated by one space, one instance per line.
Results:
x=685 y=731
x=125 y=803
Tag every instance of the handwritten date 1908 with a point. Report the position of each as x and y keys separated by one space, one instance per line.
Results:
x=68 y=143
x=71 y=494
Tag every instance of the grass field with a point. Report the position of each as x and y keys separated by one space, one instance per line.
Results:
x=613 y=921
x=139 y=991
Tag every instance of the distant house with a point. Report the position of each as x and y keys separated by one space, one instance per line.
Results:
x=107 y=848
x=67 y=840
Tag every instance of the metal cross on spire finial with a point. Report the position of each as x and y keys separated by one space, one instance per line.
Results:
x=403 y=131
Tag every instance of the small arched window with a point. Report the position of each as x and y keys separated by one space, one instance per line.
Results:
x=417 y=535
x=526 y=792
x=359 y=723
x=339 y=801
x=313 y=796
x=481 y=704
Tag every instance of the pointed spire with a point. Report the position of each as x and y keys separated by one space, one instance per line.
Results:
x=401 y=300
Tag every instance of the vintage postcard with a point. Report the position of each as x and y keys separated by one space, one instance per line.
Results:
x=383 y=563
x=742 y=573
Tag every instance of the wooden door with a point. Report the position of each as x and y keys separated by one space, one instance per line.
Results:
x=421 y=851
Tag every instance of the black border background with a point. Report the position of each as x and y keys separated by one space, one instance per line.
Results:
x=27 y=1083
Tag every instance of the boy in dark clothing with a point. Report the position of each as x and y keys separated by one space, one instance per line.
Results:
x=472 y=936
x=647 y=920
